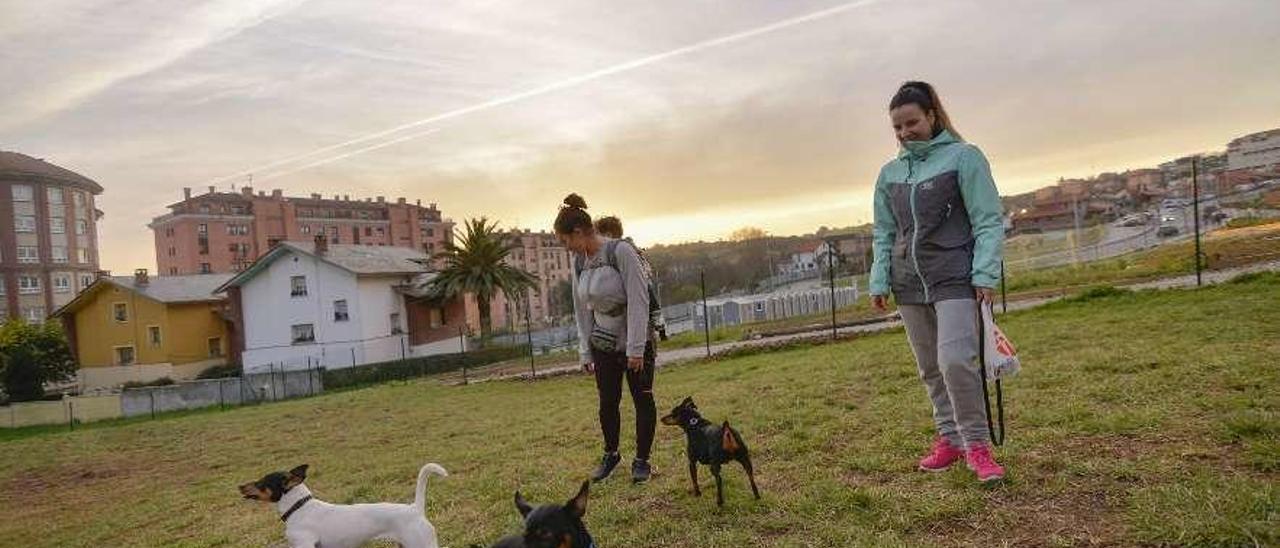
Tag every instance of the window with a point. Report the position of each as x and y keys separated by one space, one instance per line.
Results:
x=238 y=230
x=237 y=210
x=85 y=281
x=22 y=193
x=395 y=324
x=368 y=231
x=55 y=195
x=24 y=223
x=81 y=227
x=57 y=225
x=304 y=333
x=120 y=312
x=3 y=289
x=202 y=228
x=173 y=271
x=431 y=232
x=436 y=317
x=82 y=255
x=168 y=232
x=28 y=285
x=28 y=254
x=124 y=355
x=34 y=314
x=173 y=251
x=78 y=199
x=204 y=208
x=306 y=229
x=59 y=253
x=298 y=286
x=205 y=268
x=61 y=283
x=153 y=335
x=215 y=347
x=340 y=311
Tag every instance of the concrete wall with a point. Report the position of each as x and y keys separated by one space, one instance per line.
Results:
x=108 y=377
x=271 y=386
x=81 y=408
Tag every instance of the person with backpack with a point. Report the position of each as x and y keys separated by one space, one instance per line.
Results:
x=938 y=237
x=611 y=227
x=611 y=303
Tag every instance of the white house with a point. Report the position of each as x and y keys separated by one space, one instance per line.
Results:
x=318 y=304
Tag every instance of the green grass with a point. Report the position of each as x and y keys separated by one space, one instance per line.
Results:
x=1149 y=418
x=1222 y=249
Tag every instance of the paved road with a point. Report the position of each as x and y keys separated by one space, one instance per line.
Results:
x=684 y=354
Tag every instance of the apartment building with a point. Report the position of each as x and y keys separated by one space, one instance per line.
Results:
x=48 y=236
x=220 y=232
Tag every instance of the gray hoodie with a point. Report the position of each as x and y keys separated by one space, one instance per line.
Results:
x=612 y=306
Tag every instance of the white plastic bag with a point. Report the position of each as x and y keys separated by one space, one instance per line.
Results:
x=1001 y=357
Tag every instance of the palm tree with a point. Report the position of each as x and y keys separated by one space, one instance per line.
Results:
x=476 y=264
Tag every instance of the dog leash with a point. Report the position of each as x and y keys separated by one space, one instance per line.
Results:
x=996 y=439
x=285 y=517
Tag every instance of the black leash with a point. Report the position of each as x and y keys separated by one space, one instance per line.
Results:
x=996 y=439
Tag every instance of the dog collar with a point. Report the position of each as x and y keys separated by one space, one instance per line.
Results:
x=285 y=517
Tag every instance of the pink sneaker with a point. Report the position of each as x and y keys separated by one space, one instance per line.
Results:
x=941 y=457
x=980 y=460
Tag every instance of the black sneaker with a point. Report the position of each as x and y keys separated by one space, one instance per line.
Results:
x=640 y=471
x=607 y=463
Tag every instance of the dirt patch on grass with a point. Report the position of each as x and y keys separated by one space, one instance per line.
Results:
x=67 y=483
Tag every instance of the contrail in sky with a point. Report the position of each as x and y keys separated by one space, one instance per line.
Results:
x=545 y=89
x=375 y=146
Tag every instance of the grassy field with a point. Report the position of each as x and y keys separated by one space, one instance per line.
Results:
x=1140 y=419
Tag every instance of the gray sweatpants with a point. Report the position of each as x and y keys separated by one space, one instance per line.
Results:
x=944 y=337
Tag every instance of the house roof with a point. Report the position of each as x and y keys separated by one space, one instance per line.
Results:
x=361 y=260
x=20 y=165
x=163 y=289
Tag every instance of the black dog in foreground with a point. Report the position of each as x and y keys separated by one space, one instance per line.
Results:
x=711 y=445
x=552 y=525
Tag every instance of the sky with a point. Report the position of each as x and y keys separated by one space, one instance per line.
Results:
x=687 y=118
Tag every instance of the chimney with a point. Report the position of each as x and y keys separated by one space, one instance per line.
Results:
x=140 y=277
x=277 y=193
x=315 y=196
x=247 y=191
x=382 y=199
x=212 y=189
x=186 y=193
x=419 y=201
x=400 y=201
x=346 y=197
x=322 y=245
x=262 y=194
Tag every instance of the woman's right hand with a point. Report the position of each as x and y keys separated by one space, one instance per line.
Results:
x=589 y=367
x=880 y=303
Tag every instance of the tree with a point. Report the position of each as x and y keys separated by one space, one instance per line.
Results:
x=747 y=233
x=32 y=355
x=475 y=263
x=562 y=298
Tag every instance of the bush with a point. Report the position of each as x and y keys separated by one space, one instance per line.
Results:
x=417 y=367
x=162 y=381
x=32 y=355
x=220 y=372
x=1242 y=222
x=1098 y=292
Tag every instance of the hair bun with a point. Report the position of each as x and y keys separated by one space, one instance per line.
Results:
x=575 y=201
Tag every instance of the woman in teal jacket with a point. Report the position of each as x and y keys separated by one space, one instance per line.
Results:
x=938 y=238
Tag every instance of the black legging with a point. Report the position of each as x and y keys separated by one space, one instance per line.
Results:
x=610 y=368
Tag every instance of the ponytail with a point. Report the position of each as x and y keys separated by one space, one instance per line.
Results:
x=923 y=95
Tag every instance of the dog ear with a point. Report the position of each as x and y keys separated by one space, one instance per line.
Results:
x=296 y=476
x=522 y=506
x=727 y=440
x=578 y=504
x=688 y=402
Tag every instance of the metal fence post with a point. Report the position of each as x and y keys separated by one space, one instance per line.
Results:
x=311 y=379
x=831 y=274
x=152 y=393
x=71 y=415
x=1004 y=297
x=222 y=405
x=706 y=318
x=528 y=329
x=1195 y=212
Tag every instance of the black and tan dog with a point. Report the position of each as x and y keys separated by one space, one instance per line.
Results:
x=711 y=445
x=552 y=525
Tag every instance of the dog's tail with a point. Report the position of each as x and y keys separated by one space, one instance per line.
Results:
x=420 y=493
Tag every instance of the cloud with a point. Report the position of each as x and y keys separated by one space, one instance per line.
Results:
x=103 y=44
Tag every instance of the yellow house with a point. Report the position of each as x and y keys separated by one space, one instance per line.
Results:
x=136 y=328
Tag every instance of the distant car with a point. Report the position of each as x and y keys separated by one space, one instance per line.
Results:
x=1167 y=230
x=1132 y=220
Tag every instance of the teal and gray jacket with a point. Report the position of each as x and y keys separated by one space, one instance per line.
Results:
x=939 y=227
